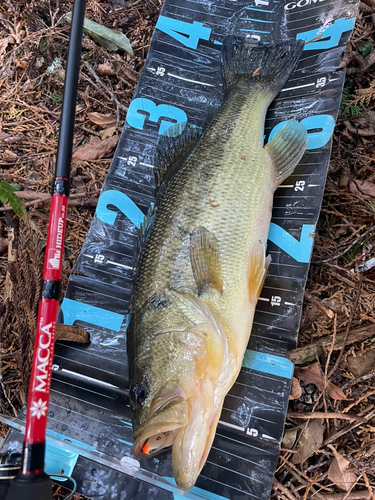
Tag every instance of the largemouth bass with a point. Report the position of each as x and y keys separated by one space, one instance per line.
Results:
x=203 y=265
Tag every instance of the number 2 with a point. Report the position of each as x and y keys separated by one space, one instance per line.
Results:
x=300 y=186
x=299 y=250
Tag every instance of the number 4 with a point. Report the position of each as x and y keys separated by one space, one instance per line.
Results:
x=188 y=34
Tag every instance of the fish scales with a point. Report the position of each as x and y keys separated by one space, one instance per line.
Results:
x=203 y=264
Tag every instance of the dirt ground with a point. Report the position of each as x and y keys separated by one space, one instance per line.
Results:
x=328 y=451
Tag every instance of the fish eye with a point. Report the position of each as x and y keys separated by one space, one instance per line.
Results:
x=139 y=392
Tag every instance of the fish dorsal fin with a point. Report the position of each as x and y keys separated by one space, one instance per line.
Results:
x=286 y=148
x=205 y=260
x=258 y=267
x=172 y=153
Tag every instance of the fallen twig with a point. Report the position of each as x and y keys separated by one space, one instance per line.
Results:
x=323 y=414
x=75 y=199
x=353 y=243
x=347 y=328
x=313 y=300
x=284 y=490
x=364 y=378
x=352 y=426
x=354 y=495
x=108 y=90
x=301 y=354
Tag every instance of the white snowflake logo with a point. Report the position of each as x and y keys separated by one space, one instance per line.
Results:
x=39 y=408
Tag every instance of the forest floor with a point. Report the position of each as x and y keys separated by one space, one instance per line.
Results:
x=325 y=455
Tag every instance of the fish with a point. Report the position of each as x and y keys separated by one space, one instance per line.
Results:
x=204 y=262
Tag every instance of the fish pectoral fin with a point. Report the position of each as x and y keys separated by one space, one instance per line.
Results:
x=205 y=260
x=286 y=148
x=258 y=267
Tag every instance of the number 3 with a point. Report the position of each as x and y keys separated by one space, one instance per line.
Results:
x=136 y=119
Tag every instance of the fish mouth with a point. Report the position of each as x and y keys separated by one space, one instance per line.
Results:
x=161 y=429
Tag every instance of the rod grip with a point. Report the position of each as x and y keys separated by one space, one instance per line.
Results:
x=30 y=487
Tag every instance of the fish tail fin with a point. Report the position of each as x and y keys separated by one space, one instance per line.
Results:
x=263 y=66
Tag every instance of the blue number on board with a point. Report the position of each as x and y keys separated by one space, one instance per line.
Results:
x=177 y=29
x=123 y=203
x=73 y=310
x=323 y=123
x=332 y=32
x=137 y=120
x=299 y=250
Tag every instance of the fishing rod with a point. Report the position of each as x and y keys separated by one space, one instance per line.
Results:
x=32 y=482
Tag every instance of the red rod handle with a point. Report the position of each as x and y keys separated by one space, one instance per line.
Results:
x=37 y=407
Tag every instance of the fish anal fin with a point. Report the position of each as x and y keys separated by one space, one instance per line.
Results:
x=205 y=260
x=286 y=148
x=258 y=267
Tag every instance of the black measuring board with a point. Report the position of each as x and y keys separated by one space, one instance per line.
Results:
x=181 y=83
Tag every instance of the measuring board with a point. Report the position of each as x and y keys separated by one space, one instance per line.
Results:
x=181 y=83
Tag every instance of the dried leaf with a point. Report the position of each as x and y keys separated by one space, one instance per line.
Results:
x=106 y=69
x=365 y=189
x=361 y=364
x=96 y=151
x=311 y=375
x=4 y=44
x=309 y=442
x=79 y=185
x=103 y=121
x=108 y=38
x=107 y=133
x=289 y=438
x=339 y=472
x=296 y=390
x=72 y=334
x=21 y=63
x=335 y=392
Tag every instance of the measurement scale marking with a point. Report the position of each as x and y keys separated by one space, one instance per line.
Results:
x=305 y=18
x=260 y=10
x=242 y=443
x=232 y=454
x=79 y=399
x=271 y=326
x=277 y=288
x=257 y=20
x=188 y=10
x=253 y=416
x=105 y=262
x=192 y=81
x=161 y=79
x=73 y=411
x=120 y=276
x=73 y=427
x=79 y=287
x=243 y=492
x=221 y=6
x=169 y=61
x=270 y=338
x=94 y=355
x=252 y=386
x=234 y=471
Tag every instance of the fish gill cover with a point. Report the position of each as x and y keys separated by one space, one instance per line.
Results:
x=180 y=85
